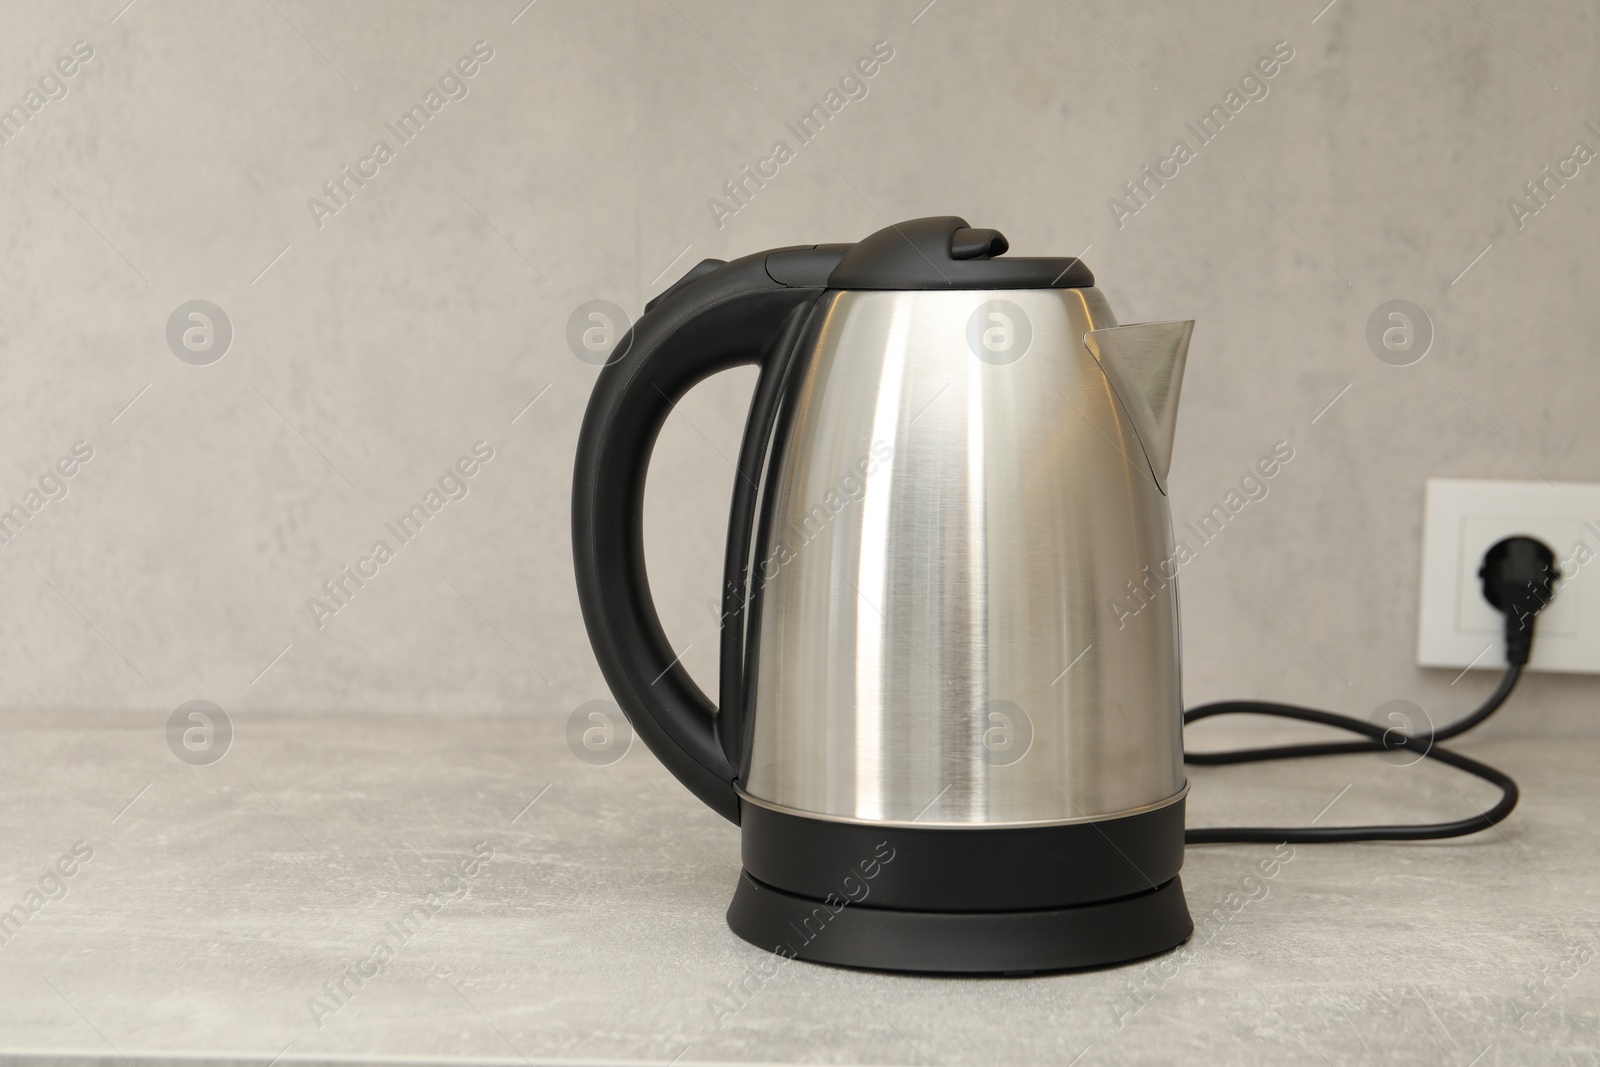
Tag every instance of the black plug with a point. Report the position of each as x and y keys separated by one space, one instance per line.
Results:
x=1519 y=575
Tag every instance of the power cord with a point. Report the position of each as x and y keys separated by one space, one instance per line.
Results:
x=1518 y=575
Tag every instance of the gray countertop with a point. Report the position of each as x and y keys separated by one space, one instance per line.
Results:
x=219 y=900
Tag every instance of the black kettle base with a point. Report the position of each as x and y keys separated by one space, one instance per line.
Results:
x=966 y=942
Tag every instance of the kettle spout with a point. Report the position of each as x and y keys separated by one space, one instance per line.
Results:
x=1144 y=364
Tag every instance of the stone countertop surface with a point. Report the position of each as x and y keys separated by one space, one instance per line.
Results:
x=209 y=908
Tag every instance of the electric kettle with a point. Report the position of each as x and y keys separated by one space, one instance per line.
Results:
x=948 y=743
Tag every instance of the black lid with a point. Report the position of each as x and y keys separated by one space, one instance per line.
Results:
x=943 y=252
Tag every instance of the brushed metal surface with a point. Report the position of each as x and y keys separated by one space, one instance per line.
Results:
x=935 y=640
x=1144 y=364
x=988 y=825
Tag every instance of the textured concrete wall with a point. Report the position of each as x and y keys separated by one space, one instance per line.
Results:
x=375 y=342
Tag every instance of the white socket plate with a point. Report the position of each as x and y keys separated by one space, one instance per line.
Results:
x=1462 y=519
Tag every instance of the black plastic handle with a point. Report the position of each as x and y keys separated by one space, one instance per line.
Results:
x=712 y=321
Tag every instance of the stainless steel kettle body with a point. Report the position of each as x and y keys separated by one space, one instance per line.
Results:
x=949 y=531
x=948 y=748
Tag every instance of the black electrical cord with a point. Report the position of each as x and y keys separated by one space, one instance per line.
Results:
x=1378 y=739
x=1518 y=578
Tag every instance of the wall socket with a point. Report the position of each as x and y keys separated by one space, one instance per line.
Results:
x=1462 y=519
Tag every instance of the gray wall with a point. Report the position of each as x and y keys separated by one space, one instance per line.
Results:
x=425 y=314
